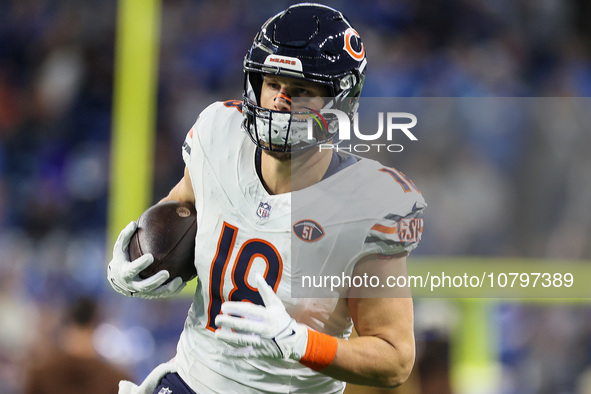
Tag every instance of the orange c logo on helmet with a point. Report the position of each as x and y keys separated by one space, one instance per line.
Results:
x=357 y=55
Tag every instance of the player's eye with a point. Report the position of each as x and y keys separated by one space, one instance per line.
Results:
x=273 y=85
x=302 y=92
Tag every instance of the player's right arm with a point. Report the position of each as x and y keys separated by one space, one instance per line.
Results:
x=123 y=274
x=182 y=191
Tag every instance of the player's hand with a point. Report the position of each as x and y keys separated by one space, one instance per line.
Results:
x=124 y=277
x=261 y=331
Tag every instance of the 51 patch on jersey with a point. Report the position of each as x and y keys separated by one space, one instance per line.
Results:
x=308 y=230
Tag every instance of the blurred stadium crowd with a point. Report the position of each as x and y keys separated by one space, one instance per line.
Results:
x=511 y=191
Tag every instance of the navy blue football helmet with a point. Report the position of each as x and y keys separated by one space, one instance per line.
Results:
x=312 y=42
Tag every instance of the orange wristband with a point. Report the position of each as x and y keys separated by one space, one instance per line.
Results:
x=321 y=349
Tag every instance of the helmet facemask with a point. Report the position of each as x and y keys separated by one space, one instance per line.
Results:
x=300 y=129
x=287 y=131
x=306 y=42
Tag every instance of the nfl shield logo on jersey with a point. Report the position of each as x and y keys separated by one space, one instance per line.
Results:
x=165 y=390
x=264 y=210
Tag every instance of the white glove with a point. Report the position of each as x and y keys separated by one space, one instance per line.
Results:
x=261 y=331
x=124 y=277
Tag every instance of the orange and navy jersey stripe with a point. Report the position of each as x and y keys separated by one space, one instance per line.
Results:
x=396 y=230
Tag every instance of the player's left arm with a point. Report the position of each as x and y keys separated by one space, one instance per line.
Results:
x=383 y=354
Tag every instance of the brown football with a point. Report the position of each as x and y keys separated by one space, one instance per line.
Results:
x=167 y=230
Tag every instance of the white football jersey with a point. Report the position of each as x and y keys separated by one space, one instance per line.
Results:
x=363 y=209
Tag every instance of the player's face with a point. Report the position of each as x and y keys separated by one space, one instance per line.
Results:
x=277 y=93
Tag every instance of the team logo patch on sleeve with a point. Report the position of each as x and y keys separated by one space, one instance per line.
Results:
x=308 y=230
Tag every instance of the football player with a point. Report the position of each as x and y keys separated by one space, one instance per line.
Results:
x=251 y=167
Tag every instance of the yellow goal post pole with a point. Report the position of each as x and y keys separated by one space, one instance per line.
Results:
x=134 y=112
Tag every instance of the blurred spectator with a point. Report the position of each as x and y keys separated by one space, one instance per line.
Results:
x=74 y=366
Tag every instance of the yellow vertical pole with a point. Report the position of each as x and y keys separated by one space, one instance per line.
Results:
x=474 y=365
x=134 y=111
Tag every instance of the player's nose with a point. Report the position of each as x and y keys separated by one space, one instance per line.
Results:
x=282 y=101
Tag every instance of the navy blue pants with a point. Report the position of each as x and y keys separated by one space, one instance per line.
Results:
x=172 y=383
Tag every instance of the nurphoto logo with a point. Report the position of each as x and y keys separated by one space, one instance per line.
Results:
x=395 y=123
